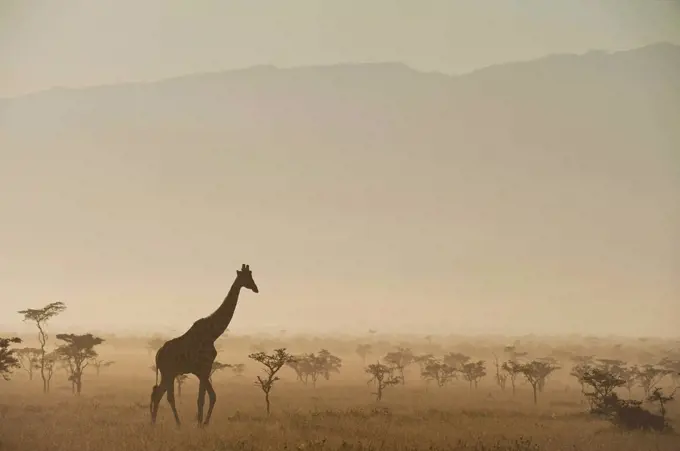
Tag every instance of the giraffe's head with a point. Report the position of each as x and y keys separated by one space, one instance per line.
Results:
x=245 y=278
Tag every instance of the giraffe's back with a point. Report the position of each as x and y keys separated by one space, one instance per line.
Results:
x=185 y=354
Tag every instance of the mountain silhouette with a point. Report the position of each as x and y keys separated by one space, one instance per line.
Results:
x=571 y=162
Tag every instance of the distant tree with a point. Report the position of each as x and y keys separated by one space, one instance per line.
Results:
x=456 y=360
x=473 y=372
x=41 y=317
x=630 y=377
x=180 y=379
x=501 y=376
x=218 y=366
x=513 y=369
x=649 y=376
x=399 y=360
x=672 y=365
x=438 y=371
x=98 y=364
x=29 y=360
x=77 y=352
x=8 y=358
x=154 y=344
x=328 y=363
x=614 y=366
x=238 y=369
x=657 y=396
x=299 y=364
x=383 y=377
x=272 y=364
x=602 y=385
x=50 y=360
x=363 y=350
x=545 y=371
x=423 y=360
x=535 y=372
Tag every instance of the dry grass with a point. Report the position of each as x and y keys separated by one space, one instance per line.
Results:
x=113 y=414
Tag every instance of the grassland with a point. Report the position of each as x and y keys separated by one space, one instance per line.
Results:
x=113 y=414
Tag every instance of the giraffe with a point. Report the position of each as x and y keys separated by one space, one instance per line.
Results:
x=194 y=352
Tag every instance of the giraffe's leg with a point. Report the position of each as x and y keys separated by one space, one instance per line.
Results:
x=212 y=397
x=156 y=395
x=201 y=400
x=170 y=387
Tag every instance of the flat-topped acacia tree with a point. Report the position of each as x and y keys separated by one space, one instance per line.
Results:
x=40 y=317
x=272 y=364
x=77 y=353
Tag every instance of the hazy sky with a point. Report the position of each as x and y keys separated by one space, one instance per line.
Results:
x=82 y=42
x=145 y=253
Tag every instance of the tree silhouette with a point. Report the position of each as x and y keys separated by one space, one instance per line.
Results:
x=272 y=365
x=8 y=359
x=217 y=366
x=399 y=360
x=649 y=376
x=501 y=376
x=41 y=317
x=473 y=372
x=29 y=360
x=180 y=379
x=438 y=371
x=98 y=364
x=535 y=372
x=383 y=377
x=513 y=369
x=363 y=350
x=77 y=352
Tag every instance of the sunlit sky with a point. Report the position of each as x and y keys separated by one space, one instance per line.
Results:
x=176 y=274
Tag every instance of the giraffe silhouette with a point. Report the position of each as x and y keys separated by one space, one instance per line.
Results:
x=194 y=352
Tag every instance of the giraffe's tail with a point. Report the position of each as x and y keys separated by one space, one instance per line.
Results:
x=153 y=392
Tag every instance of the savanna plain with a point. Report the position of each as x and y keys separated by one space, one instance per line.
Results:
x=326 y=398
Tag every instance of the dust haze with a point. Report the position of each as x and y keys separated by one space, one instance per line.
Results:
x=439 y=195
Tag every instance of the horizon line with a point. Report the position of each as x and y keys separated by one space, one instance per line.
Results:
x=177 y=77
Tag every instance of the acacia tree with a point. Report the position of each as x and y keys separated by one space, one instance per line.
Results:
x=630 y=377
x=536 y=371
x=29 y=360
x=649 y=376
x=77 y=352
x=501 y=376
x=473 y=372
x=456 y=360
x=383 y=377
x=513 y=369
x=180 y=379
x=98 y=364
x=8 y=359
x=399 y=360
x=602 y=384
x=41 y=317
x=544 y=371
x=218 y=366
x=272 y=365
x=657 y=396
x=363 y=350
x=438 y=371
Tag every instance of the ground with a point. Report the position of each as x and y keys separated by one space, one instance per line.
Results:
x=113 y=414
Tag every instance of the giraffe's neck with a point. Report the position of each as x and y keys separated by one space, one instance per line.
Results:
x=221 y=318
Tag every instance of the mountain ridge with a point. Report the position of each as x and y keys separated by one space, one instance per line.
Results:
x=660 y=47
